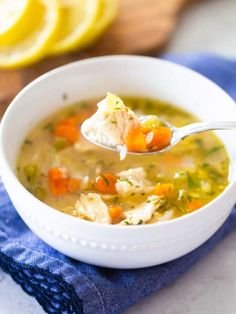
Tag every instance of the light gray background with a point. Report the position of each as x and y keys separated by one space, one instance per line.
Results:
x=210 y=286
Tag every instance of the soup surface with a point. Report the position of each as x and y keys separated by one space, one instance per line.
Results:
x=62 y=169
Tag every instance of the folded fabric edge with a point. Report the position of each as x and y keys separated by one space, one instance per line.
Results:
x=66 y=282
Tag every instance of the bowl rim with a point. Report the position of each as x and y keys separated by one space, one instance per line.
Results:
x=58 y=71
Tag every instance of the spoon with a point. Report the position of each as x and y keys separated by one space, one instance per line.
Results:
x=178 y=134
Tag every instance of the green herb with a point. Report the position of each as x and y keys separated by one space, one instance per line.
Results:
x=40 y=193
x=214 y=174
x=140 y=222
x=31 y=172
x=83 y=105
x=65 y=96
x=126 y=180
x=198 y=141
x=105 y=179
x=149 y=105
x=214 y=149
x=60 y=143
x=192 y=183
x=181 y=208
x=48 y=127
x=126 y=222
x=116 y=200
x=28 y=142
x=113 y=122
x=69 y=114
x=151 y=166
x=205 y=165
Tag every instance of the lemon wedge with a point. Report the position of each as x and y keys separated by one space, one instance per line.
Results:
x=77 y=19
x=107 y=14
x=33 y=41
x=13 y=17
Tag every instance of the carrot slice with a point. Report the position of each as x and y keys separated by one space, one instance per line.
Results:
x=106 y=183
x=135 y=140
x=194 y=204
x=61 y=184
x=116 y=213
x=56 y=173
x=68 y=132
x=72 y=185
x=164 y=189
x=68 y=128
x=159 y=137
x=58 y=187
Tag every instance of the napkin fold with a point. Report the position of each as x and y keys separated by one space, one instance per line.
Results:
x=63 y=285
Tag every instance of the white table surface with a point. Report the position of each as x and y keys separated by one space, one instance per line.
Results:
x=210 y=286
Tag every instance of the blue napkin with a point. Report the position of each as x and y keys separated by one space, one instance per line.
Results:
x=63 y=285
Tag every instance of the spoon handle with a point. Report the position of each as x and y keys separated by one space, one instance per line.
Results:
x=206 y=126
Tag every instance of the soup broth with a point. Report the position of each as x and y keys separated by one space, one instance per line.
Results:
x=57 y=165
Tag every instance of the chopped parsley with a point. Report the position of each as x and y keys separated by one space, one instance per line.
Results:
x=126 y=180
x=64 y=96
x=214 y=149
x=192 y=183
x=28 y=142
x=48 y=127
x=105 y=180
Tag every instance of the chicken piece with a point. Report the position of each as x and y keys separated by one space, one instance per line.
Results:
x=132 y=180
x=112 y=122
x=144 y=212
x=91 y=207
x=169 y=214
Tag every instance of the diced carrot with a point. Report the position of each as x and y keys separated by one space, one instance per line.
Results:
x=69 y=128
x=61 y=184
x=164 y=189
x=69 y=121
x=55 y=174
x=135 y=140
x=72 y=185
x=116 y=213
x=194 y=204
x=161 y=137
x=58 y=187
x=67 y=131
x=106 y=183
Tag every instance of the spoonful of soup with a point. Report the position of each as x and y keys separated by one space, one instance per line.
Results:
x=116 y=127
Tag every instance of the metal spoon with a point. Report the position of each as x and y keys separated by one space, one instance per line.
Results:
x=178 y=134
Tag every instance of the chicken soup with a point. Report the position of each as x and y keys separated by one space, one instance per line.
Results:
x=65 y=171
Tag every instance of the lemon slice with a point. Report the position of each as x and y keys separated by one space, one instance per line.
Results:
x=106 y=16
x=77 y=18
x=31 y=43
x=13 y=15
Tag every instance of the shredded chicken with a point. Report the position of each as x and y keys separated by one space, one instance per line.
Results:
x=91 y=207
x=144 y=212
x=169 y=214
x=132 y=180
x=112 y=122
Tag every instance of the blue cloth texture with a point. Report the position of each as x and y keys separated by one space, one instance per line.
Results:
x=63 y=285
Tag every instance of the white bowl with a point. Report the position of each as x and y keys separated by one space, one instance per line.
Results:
x=116 y=246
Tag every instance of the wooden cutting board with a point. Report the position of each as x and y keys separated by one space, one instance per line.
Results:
x=142 y=27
